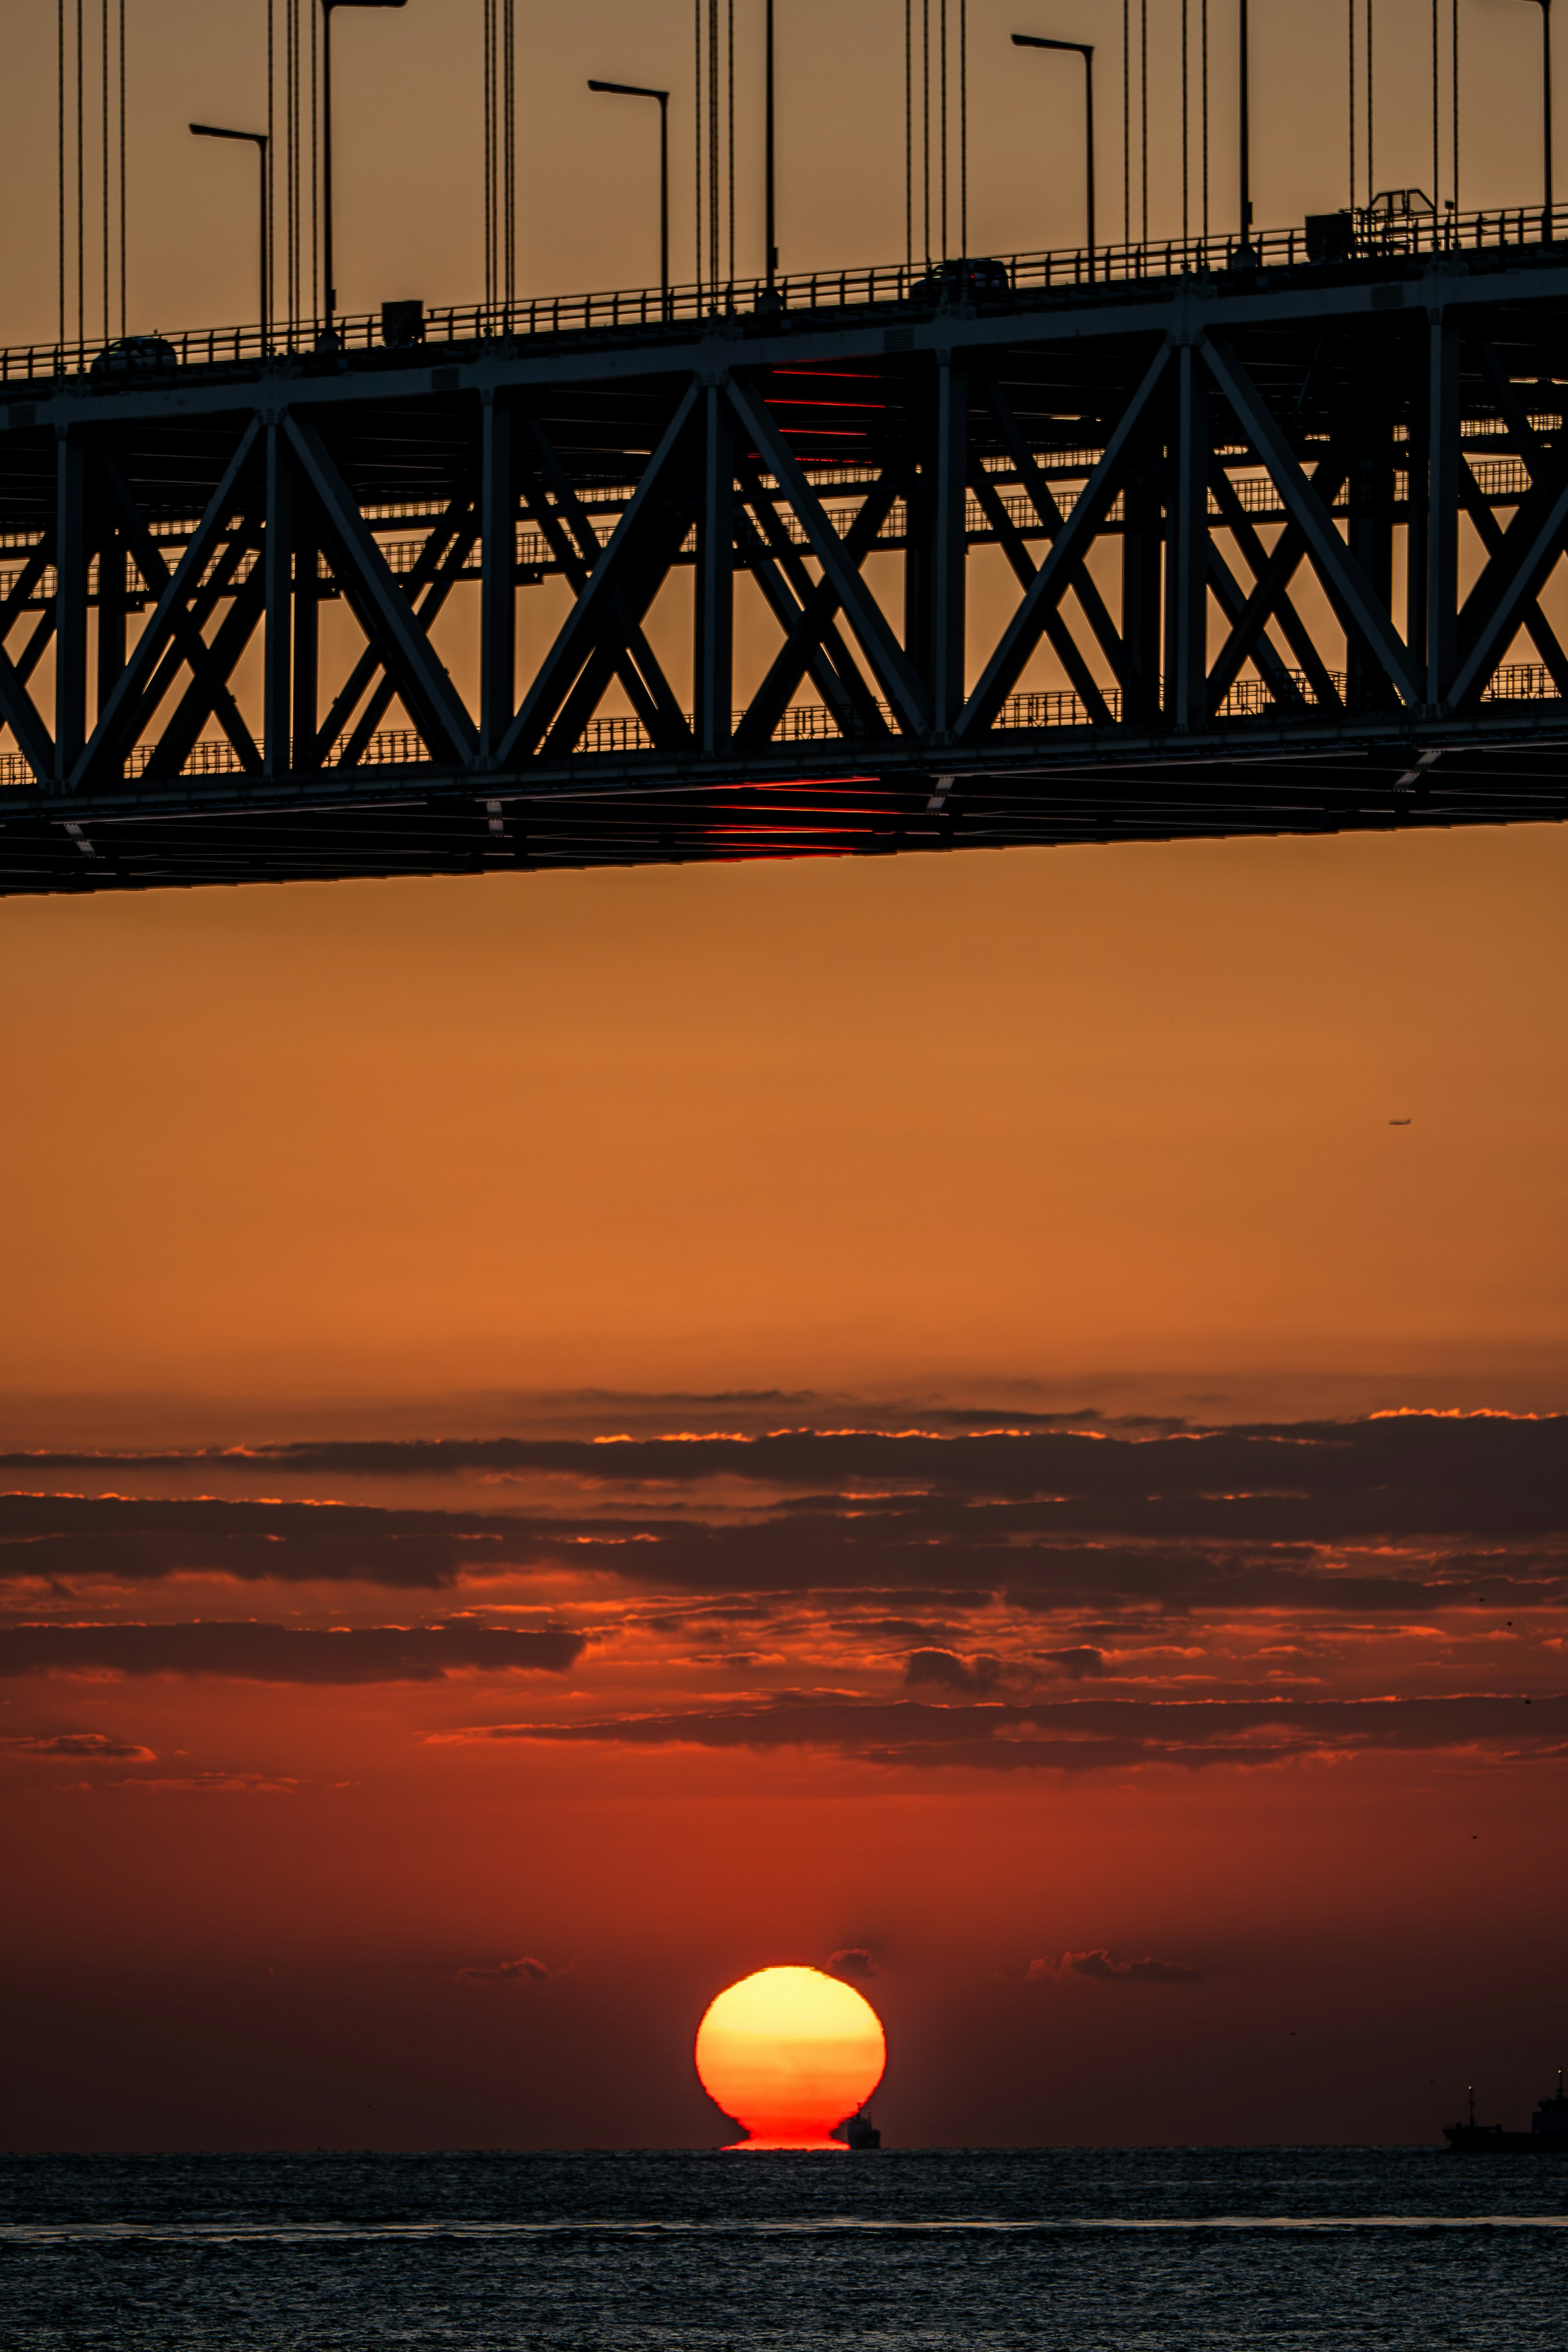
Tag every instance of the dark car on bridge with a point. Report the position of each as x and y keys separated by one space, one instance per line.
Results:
x=135 y=358
x=954 y=281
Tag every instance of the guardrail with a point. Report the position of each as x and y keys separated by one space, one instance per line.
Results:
x=807 y=723
x=1375 y=236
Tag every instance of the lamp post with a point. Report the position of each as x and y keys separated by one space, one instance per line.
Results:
x=1084 y=49
x=1545 y=9
x=258 y=140
x=1246 y=143
x=326 y=8
x=771 y=224
x=637 y=90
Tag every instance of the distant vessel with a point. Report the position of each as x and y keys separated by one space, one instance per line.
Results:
x=1547 y=2135
x=857 y=2131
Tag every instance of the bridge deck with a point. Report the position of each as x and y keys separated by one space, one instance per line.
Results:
x=1279 y=541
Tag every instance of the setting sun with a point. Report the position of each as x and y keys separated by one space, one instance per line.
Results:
x=791 y=2052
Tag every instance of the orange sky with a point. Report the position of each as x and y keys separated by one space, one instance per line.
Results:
x=898 y=1145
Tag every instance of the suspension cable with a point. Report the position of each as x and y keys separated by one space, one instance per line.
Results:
x=488 y=39
x=731 y=65
x=697 y=88
x=509 y=82
x=1370 y=179
x=926 y=110
x=81 y=206
x=314 y=173
x=1205 y=39
x=909 y=133
x=61 y=150
x=1454 y=78
x=103 y=144
x=1353 y=105
x=1126 y=123
x=122 y=166
x=1437 y=121
x=963 y=125
x=944 y=29
x=1186 y=122
x=1143 y=103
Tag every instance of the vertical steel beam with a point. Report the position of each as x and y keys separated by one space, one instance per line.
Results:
x=1442 y=526
x=1371 y=514
x=498 y=579
x=949 y=547
x=1140 y=615
x=110 y=611
x=1187 y=551
x=70 y=600
x=277 y=569
x=714 y=635
x=306 y=648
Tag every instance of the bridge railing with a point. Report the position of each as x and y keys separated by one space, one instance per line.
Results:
x=1373 y=236
x=1030 y=711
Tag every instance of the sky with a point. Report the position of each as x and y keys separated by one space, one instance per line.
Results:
x=569 y=1437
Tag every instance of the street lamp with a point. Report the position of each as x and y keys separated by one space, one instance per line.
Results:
x=637 y=90
x=771 y=225
x=258 y=140
x=1246 y=254
x=326 y=8
x=1545 y=9
x=1084 y=49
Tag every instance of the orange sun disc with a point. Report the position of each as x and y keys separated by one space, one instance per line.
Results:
x=791 y=2052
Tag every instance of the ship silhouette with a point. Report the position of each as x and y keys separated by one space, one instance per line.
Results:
x=1547 y=2135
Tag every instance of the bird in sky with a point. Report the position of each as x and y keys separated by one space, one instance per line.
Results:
x=1399 y=1122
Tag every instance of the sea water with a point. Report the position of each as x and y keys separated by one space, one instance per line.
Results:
x=1307 y=2250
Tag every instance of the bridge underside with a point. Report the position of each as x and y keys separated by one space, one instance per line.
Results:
x=1266 y=552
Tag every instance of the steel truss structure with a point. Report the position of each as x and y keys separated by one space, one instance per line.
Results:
x=1260 y=551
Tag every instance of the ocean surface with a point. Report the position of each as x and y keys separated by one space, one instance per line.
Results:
x=1317 y=2249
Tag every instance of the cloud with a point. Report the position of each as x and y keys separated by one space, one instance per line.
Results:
x=1076 y=1666
x=217 y=1784
x=82 y=1747
x=526 y=1971
x=284 y=1654
x=948 y=1671
x=856 y=1963
x=1083 y=1733
x=1101 y=1968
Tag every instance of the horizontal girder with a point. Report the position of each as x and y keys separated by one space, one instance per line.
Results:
x=1255 y=552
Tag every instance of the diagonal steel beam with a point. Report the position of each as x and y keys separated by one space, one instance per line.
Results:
x=595 y=611
x=169 y=616
x=786 y=578
x=1281 y=565
x=1096 y=612
x=1350 y=592
x=894 y=672
x=577 y=551
x=1063 y=644
x=429 y=564
x=1489 y=531
x=1026 y=628
x=790 y=663
x=426 y=686
x=21 y=715
x=1531 y=545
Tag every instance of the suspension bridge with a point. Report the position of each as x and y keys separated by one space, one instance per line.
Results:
x=1278 y=512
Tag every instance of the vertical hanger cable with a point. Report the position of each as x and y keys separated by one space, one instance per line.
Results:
x=1203 y=36
x=103 y=151
x=909 y=133
x=1126 y=123
x=81 y=192
x=1186 y=124
x=1454 y=85
x=315 y=103
x=944 y=34
x=1370 y=183
x=487 y=45
x=963 y=125
x=1352 y=84
x=1437 y=120
x=698 y=96
x=61 y=149
x=122 y=166
x=731 y=63
x=1143 y=104
x=925 y=101
x=510 y=86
